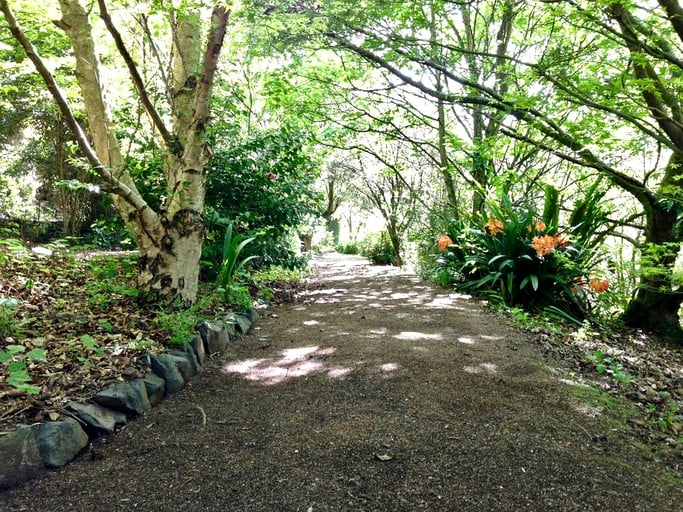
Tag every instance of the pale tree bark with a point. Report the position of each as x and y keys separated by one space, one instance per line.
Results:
x=170 y=240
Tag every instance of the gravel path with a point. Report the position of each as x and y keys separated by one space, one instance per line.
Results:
x=373 y=392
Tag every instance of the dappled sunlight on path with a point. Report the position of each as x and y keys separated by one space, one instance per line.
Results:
x=387 y=308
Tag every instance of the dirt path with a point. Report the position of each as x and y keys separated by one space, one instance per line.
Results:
x=374 y=393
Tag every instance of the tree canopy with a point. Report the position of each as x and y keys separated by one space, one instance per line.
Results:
x=444 y=114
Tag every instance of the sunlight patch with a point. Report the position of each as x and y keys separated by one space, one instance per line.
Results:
x=338 y=373
x=294 y=363
x=399 y=296
x=415 y=336
x=482 y=368
x=388 y=367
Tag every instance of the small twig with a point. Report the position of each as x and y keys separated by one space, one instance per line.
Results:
x=587 y=433
x=15 y=412
x=203 y=416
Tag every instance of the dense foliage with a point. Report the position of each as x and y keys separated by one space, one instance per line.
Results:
x=525 y=258
x=264 y=186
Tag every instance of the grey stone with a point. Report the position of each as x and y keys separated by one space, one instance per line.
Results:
x=252 y=315
x=190 y=358
x=183 y=365
x=60 y=441
x=140 y=386
x=242 y=323
x=127 y=398
x=155 y=388
x=166 y=367
x=97 y=417
x=230 y=327
x=21 y=460
x=215 y=336
x=197 y=344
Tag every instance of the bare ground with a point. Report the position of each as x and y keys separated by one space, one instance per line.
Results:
x=375 y=392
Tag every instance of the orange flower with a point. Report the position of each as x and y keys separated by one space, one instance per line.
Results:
x=543 y=245
x=539 y=225
x=443 y=242
x=599 y=285
x=494 y=226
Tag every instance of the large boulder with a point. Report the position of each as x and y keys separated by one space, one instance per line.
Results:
x=60 y=441
x=21 y=460
x=98 y=418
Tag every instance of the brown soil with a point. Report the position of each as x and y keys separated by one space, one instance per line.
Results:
x=374 y=392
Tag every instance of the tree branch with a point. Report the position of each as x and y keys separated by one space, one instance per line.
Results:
x=136 y=78
x=112 y=184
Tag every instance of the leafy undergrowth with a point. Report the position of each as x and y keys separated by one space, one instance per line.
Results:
x=625 y=370
x=70 y=323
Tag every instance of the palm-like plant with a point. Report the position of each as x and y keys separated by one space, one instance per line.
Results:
x=233 y=245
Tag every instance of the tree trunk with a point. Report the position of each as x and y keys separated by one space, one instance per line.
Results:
x=170 y=242
x=395 y=244
x=657 y=302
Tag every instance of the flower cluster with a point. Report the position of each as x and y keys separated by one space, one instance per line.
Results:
x=539 y=226
x=443 y=242
x=544 y=245
x=594 y=285
x=494 y=226
x=598 y=285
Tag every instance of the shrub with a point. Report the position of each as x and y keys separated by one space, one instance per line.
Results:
x=378 y=249
x=348 y=248
x=524 y=260
x=263 y=184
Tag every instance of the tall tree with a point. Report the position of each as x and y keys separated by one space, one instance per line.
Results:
x=170 y=238
x=592 y=82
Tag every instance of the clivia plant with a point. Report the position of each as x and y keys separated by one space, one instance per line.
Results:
x=526 y=260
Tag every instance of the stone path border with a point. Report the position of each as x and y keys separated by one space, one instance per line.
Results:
x=31 y=450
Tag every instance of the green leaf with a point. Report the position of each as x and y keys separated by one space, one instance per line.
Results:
x=37 y=354
x=17 y=379
x=534 y=281
x=30 y=390
x=16 y=367
x=88 y=341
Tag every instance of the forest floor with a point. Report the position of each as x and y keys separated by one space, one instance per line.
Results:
x=374 y=391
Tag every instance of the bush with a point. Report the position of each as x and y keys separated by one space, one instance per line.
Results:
x=378 y=249
x=265 y=186
x=523 y=259
x=348 y=248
